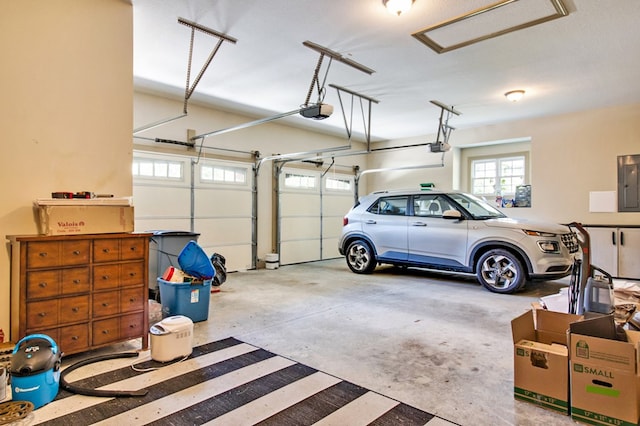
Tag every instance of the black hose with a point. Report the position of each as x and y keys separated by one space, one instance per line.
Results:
x=97 y=392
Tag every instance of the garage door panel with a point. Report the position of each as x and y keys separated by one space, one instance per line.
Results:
x=223 y=202
x=223 y=231
x=300 y=251
x=336 y=205
x=330 y=248
x=300 y=228
x=237 y=258
x=331 y=227
x=295 y=204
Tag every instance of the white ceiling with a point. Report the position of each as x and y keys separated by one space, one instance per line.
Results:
x=588 y=59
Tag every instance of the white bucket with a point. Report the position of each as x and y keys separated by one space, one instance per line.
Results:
x=271 y=261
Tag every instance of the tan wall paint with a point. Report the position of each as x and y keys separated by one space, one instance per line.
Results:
x=571 y=155
x=67 y=107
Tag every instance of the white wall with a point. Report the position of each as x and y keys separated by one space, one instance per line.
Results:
x=66 y=115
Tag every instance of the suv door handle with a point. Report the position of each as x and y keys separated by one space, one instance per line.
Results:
x=418 y=224
x=370 y=222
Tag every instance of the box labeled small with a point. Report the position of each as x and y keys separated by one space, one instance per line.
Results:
x=541 y=359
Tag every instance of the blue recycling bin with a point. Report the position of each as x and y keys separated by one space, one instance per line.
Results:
x=190 y=299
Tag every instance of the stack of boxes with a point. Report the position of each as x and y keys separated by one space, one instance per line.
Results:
x=583 y=367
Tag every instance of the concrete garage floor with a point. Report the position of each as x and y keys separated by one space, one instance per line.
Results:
x=440 y=343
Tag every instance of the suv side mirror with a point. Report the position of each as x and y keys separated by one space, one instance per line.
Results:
x=452 y=214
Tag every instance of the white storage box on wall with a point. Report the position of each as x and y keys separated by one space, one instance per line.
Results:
x=171 y=338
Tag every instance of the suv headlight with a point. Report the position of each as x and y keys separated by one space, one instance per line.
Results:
x=538 y=233
x=549 y=246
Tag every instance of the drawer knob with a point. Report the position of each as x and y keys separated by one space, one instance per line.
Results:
x=43 y=254
x=42 y=285
x=133 y=299
x=105 y=277
x=105 y=304
x=133 y=325
x=105 y=331
x=132 y=274
x=42 y=314
x=105 y=250
x=76 y=309
x=76 y=252
x=75 y=338
x=76 y=281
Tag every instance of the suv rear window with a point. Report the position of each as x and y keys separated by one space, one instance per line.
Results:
x=395 y=206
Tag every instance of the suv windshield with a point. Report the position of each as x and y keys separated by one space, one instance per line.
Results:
x=477 y=208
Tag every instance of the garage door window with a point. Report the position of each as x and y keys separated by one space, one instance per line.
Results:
x=338 y=184
x=223 y=174
x=157 y=169
x=299 y=181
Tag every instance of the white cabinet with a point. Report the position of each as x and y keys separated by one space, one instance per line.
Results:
x=616 y=250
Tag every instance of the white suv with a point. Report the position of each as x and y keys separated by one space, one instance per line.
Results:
x=458 y=232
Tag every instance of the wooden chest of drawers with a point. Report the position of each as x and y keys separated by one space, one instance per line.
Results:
x=84 y=291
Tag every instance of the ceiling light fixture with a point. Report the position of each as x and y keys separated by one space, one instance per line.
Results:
x=398 y=7
x=514 y=95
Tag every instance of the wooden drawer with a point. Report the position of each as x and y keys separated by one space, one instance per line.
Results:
x=74 y=309
x=132 y=299
x=43 y=254
x=42 y=314
x=106 y=277
x=106 y=303
x=132 y=326
x=75 y=280
x=113 y=276
x=55 y=282
x=105 y=331
x=107 y=250
x=57 y=253
x=132 y=273
x=54 y=312
x=132 y=248
x=43 y=284
x=73 y=338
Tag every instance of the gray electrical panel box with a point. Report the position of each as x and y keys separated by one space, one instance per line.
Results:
x=629 y=183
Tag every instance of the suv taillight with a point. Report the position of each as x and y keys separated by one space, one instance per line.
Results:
x=345 y=221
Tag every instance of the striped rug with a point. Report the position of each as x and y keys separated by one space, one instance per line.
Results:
x=227 y=382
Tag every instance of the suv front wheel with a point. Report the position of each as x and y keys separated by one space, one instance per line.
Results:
x=360 y=257
x=500 y=271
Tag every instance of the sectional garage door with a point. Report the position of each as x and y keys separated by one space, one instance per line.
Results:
x=310 y=206
x=210 y=197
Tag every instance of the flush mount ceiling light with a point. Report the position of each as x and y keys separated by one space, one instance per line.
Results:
x=514 y=95
x=397 y=7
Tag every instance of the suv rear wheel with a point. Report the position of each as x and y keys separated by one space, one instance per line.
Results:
x=500 y=271
x=360 y=257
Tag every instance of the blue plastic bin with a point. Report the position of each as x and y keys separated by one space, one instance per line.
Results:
x=190 y=300
x=194 y=261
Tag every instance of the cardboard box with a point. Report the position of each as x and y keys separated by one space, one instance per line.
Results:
x=605 y=385
x=541 y=358
x=84 y=219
